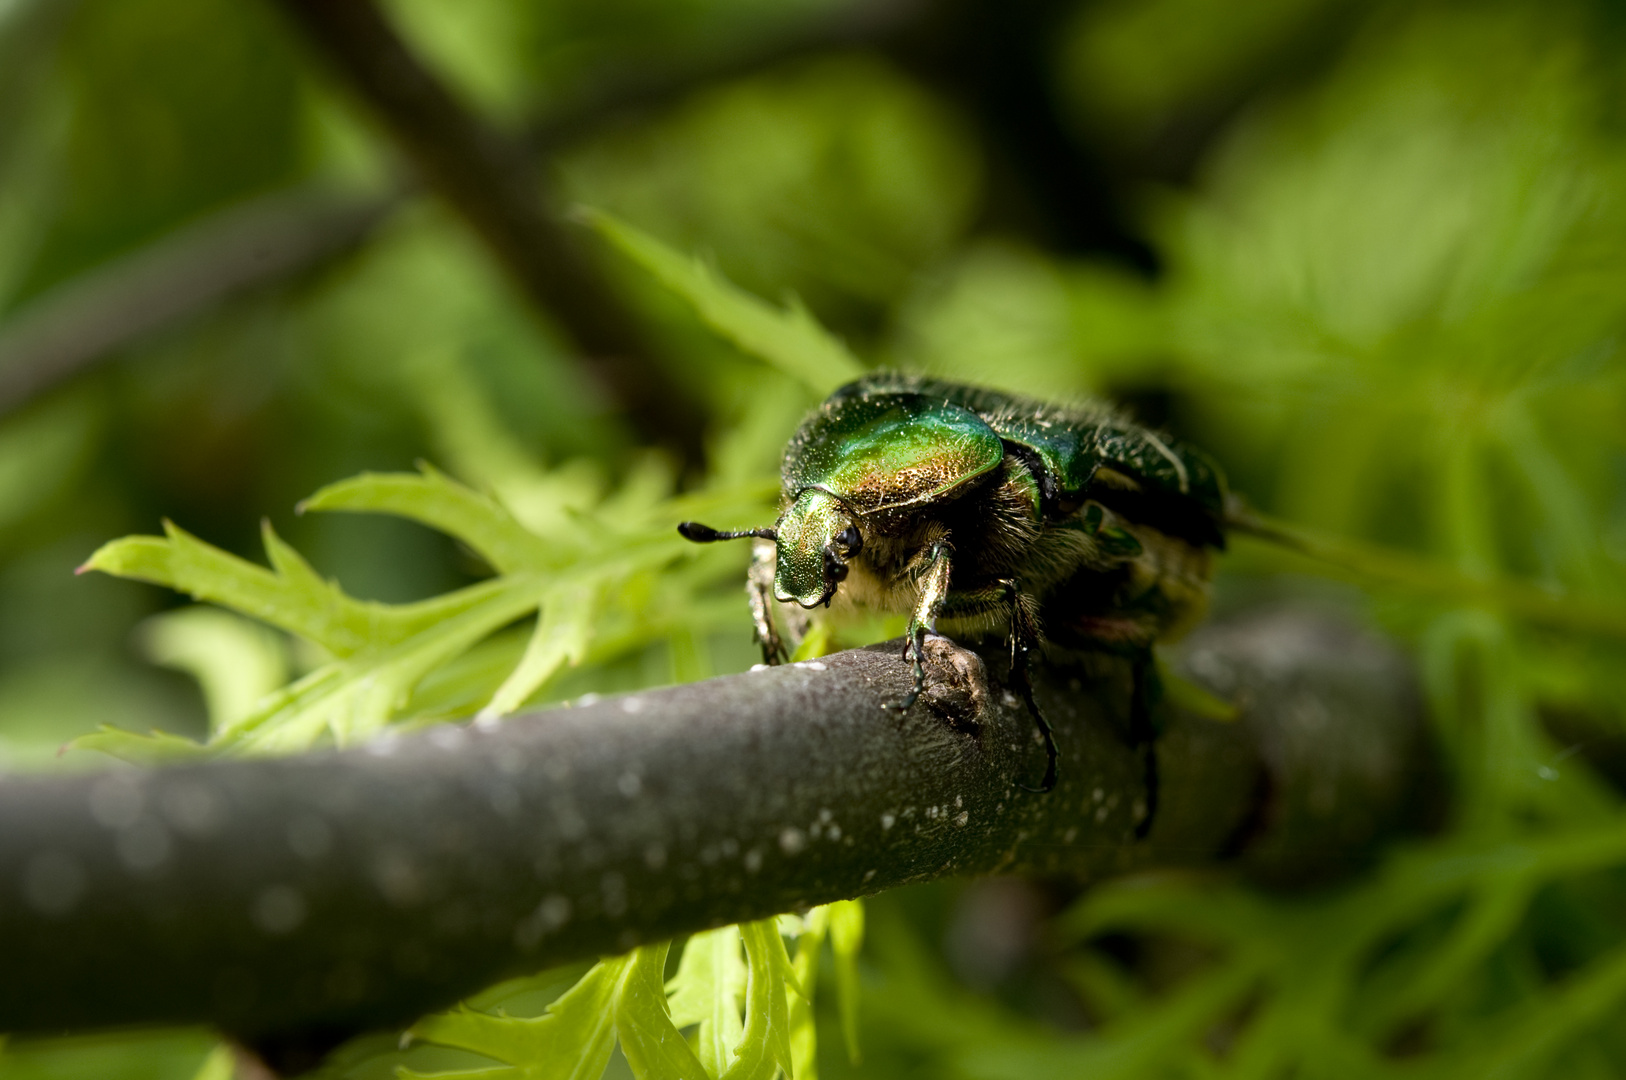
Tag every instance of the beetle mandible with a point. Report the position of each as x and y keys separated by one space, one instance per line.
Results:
x=1063 y=526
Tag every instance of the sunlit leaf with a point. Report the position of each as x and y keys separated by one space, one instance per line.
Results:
x=234 y=660
x=441 y=503
x=847 y=938
x=765 y=1045
x=804 y=1037
x=563 y=633
x=706 y=990
x=571 y=1041
x=653 y=1046
x=790 y=339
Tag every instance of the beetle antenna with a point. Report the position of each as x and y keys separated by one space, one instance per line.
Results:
x=705 y=534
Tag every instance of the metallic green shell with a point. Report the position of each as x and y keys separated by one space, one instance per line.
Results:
x=891 y=442
x=889 y=450
x=1073 y=442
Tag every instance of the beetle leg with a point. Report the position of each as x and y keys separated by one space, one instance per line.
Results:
x=759 y=592
x=934 y=581
x=1024 y=636
x=1141 y=732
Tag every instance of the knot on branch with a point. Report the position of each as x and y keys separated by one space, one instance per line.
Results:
x=956 y=684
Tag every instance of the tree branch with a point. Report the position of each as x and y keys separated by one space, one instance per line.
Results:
x=274 y=236
x=66 y=329
x=491 y=180
x=343 y=890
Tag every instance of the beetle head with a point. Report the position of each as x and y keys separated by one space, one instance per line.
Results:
x=816 y=537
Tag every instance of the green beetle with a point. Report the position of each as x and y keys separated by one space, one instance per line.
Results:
x=977 y=512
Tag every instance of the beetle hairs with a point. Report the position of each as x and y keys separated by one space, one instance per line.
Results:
x=705 y=534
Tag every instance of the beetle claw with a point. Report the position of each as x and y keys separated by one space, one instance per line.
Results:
x=914 y=650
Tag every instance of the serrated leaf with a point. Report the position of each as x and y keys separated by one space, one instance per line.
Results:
x=765 y=1046
x=436 y=500
x=571 y=1041
x=354 y=697
x=291 y=596
x=153 y=748
x=563 y=633
x=317 y=612
x=790 y=338
x=846 y=939
x=706 y=990
x=652 y=1044
x=620 y=997
x=804 y=1036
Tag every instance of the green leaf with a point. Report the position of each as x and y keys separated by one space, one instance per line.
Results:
x=291 y=596
x=563 y=633
x=436 y=500
x=1518 y=1046
x=221 y=1064
x=846 y=939
x=804 y=1036
x=354 y=697
x=706 y=990
x=652 y=1044
x=153 y=748
x=790 y=339
x=235 y=661
x=571 y=1041
x=765 y=1046
x=1133 y=1050
x=620 y=997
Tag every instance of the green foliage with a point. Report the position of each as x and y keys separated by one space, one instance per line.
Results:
x=618 y=999
x=791 y=340
x=377 y=654
x=154 y=135
x=622 y=1000
x=1328 y=984
x=1389 y=302
x=835 y=177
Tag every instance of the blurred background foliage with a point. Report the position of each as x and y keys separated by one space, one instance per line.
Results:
x=1371 y=255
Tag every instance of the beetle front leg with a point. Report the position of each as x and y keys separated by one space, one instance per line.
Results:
x=1024 y=639
x=934 y=587
x=759 y=593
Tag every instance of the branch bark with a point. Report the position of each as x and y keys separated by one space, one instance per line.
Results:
x=344 y=890
x=492 y=181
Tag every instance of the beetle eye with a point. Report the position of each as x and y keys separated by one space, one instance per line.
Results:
x=850 y=540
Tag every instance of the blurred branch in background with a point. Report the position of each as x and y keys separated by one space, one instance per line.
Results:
x=493 y=182
x=988 y=58
x=275 y=236
x=69 y=327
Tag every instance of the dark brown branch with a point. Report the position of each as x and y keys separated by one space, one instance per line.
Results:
x=491 y=180
x=64 y=330
x=274 y=236
x=338 y=891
